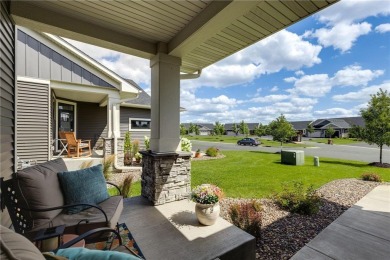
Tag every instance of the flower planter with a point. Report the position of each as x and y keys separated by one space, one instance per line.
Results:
x=198 y=155
x=207 y=214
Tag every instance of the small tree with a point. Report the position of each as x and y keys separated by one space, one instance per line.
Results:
x=356 y=132
x=281 y=130
x=244 y=129
x=310 y=129
x=219 y=128
x=235 y=129
x=191 y=128
x=183 y=129
x=377 y=119
x=329 y=132
x=260 y=130
x=196 y=130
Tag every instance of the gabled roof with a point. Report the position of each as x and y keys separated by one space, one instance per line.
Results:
x=300 y=125
x=202 y=126
x=344 y=122
x=143 y=100
x=357 y=121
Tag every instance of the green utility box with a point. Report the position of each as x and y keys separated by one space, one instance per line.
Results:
x=293 y=157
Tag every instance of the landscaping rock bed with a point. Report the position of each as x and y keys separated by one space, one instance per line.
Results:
x=284 y=234
x=118 y=177
x=206 y=157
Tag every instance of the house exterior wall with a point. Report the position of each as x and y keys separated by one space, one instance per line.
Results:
x=129 y=112
x=35 y=59
x=7 y=76
x=33 y=120
x=91 y=123
x=7 y=104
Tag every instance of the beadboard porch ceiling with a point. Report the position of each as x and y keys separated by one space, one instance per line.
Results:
x=200 y=32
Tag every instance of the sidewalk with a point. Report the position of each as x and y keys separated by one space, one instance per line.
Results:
x=362 y=232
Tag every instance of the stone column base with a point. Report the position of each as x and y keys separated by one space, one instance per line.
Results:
x=166 y=177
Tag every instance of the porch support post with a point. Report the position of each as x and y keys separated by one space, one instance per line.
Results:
x=113 y=117
x=166 y=174
x=165 y=114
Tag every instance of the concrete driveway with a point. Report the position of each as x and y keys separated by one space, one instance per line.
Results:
x=355 y=152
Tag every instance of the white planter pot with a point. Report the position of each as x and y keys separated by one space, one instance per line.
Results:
x=207 y=214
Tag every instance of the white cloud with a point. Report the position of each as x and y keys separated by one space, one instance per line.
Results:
x=362 y=95
x=269 y=98
x=348 y=11
x=383 y=28
x=299 y=73
x=355 y=76
x=316 y=85
x=341 y=36
x=274 y=89
x=127 y=66
x=337 y=111
x=290 y=79
x=289 y=51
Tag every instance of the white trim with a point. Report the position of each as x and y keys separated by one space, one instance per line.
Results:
x=140 y=119
x=33 y=80
x=56 y=117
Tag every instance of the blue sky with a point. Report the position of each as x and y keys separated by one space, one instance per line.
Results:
x=324 y=66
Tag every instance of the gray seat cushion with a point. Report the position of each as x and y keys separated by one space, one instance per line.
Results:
x=15 y=246
x=38 y=187
x=113 y=207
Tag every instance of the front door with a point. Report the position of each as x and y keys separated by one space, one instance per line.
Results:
x=66 y=119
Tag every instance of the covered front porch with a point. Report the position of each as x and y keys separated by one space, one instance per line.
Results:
x=171 y=231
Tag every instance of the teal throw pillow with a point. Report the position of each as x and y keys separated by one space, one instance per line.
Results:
x=83 y=186
x=91 y=254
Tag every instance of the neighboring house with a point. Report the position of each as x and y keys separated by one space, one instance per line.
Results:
x=229 y=128
x=301 y=126
x=340 y=125
x=59 y=88
x=204 y=128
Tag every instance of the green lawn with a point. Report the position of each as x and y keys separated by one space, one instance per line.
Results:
x=336 y=140
x=234 y=139
x=252 y=174
x=135 y=190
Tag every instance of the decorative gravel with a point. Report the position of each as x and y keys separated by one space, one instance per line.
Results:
x=284 y=234
x=206 y=157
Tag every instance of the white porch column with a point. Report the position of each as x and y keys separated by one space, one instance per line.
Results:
x=113 y=117
x=165 y=114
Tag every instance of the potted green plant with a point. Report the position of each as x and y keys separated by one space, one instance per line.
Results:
x=138 y=157
x=127 y=147
x=198 y=154
x=207 y=197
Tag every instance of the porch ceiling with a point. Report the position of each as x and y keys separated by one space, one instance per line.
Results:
x=200 y=32
x=79 y=96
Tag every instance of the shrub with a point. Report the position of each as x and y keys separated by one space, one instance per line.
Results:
x=126 y=186
x=212 y=152
x=297 y=199
x=186 y=145
x=135 y=146
x=147 y=142
x=371 y=177
x=247 y=216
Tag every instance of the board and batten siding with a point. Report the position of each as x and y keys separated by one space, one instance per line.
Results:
x=33 y=121
x=130 y=112
x=7 y=98
x=7 y=75
x=37 y=60
x=91 y=123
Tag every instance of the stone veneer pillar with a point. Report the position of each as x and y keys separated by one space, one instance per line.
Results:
x=166 y=177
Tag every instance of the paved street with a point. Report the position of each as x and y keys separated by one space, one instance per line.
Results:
x=356 y=152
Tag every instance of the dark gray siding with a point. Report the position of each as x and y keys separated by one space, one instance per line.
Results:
x=7 y=75
x=91 y=123
x=7 y=87
x=129 y=112
x=32 y=121
x=35 y=59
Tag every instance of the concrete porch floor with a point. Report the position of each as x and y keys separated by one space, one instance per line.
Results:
x=171 y=231
x=362 y=232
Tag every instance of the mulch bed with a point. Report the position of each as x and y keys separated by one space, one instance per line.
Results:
x=378 y=164
x=284 y=234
